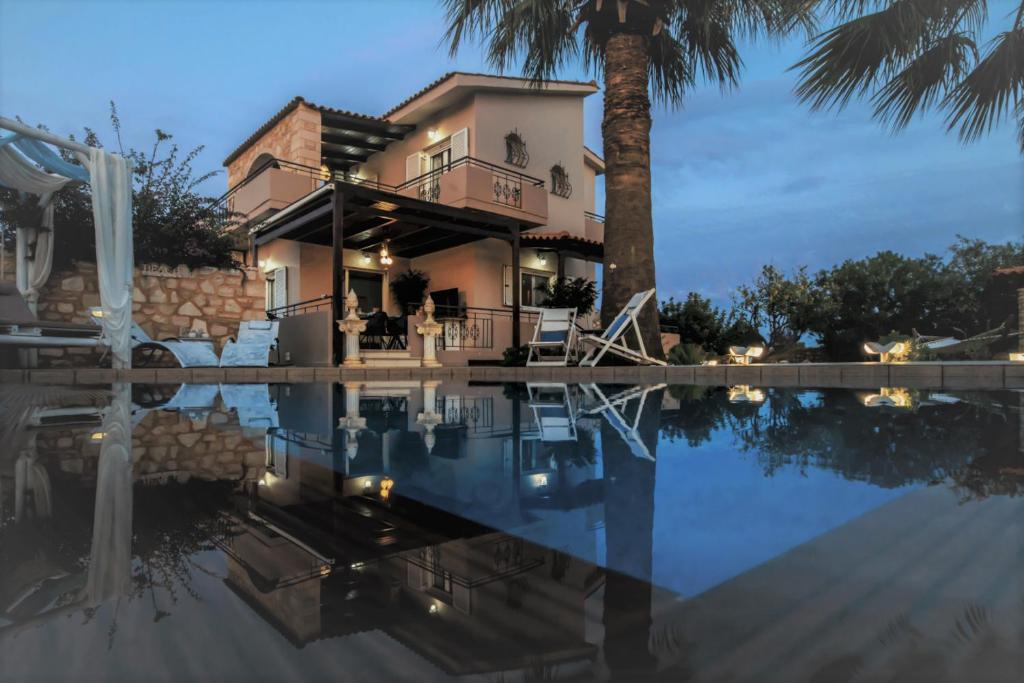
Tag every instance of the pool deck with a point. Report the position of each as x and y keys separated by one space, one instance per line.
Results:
x=950 y=375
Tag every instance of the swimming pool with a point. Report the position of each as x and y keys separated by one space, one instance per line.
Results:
x=430 y=530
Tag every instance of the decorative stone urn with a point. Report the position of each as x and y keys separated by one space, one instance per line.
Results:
x=431 y=330
x=351 y=326
x=429 y=418
x=352 y=423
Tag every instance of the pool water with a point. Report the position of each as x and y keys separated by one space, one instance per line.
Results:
x=431 y=531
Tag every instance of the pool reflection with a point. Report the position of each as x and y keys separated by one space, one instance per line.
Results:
x=528 y=531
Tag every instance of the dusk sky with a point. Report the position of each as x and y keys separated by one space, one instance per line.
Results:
x=740 y=179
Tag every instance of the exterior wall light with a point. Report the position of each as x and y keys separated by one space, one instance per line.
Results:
x=367 y=258
x=385 y=254
x=542 y=258
x=433 y=135
x=433 y=608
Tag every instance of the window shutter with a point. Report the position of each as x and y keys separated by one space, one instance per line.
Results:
x=460 y=144
x=506 y=286
x=280 y=287
x=412 y=166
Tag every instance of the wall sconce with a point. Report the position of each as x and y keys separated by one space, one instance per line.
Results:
x=385 y=254
x=433 y=135
x=325 y=172
x=367 y=258
x=542 y=257
x=96 y=437
x=433 y=608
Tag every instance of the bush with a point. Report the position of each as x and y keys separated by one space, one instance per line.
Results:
x=409 y=287
x=579 y=293
x=515 y=356
x=686 y=354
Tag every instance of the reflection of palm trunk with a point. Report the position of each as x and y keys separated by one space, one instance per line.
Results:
x=629 y=526
x=110 y=559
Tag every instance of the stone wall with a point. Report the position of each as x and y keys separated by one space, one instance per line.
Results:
x=169 y=445
x=165 y=303
x=296 y=137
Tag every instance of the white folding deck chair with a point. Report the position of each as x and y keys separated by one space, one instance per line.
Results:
x=609 y=340
x=611 y=409
x=252 y=349
x=555 y=334
x=553 y=411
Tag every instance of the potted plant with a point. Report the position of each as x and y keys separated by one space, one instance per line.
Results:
x=408 y=289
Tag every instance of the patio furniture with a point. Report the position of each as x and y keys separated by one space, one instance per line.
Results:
x=196 y=352
x=396 y=332
x=375 y=332
x=252 y=349
x=554 y=334
x=612 y=409
x=553 y=411
x=252 y=403
x=612 y=340
x=19 y=326
x=951 y=345
x=745 y=355
x=893 y=351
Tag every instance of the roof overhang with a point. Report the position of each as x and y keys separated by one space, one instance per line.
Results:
x=565 y=244
x=453 y=87
x=593 y=160
x=412 y=227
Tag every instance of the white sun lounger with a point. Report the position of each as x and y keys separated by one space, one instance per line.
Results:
x=744 y=355
x=252 y=403
x=190 y=353
x=554 y=338
x=553 y=411
x=20 y=327
x=613 y=339
x=611 y=409
x=252 y=349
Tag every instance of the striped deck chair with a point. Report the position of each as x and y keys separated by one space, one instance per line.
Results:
x=554 y=338
x=613 y=339
x=553 y=411
x=612 y=409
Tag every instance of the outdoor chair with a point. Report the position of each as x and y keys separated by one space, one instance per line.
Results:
x=256 y=338
x=745 y=355
x=553 y=411
x=612 y=409
x=252 y=403
x=375 y=332
x=396 y=333
x=190 y=353
x=941 y=346
x=20 y=326
x=613 y=338
x=554 y=338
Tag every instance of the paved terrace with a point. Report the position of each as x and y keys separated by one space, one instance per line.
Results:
x=959 y=375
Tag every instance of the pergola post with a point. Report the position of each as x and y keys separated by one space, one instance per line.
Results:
x=516 y=287
x=337 y=268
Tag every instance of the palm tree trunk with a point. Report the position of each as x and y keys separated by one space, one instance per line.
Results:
x=628 y=231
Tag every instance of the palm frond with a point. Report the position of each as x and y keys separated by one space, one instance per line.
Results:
x=925 y=80
x=992 y=91
x=540 y=32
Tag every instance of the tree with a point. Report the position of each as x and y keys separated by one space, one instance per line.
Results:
x=173 y=222
x=639 y=47
x=785 y=307
x=699 y=322
x=910 y=56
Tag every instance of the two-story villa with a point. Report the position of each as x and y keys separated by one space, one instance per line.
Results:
x=481 y=182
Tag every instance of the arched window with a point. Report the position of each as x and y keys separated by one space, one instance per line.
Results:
x=263 y=161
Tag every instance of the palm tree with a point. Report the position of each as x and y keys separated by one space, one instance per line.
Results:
x=640 y=47
x=915 y=55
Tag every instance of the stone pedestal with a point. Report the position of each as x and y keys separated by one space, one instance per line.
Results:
x=352 y=423
x=351 y=326
x=429 y=418
x=430 y=329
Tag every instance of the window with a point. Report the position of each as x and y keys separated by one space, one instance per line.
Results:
x=441 y=161
x=532 y=287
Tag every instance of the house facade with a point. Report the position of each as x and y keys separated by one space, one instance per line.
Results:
x=481 y=182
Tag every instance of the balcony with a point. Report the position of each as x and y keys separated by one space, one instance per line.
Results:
x=593 y=225
x=469 y=183
x=269 y=190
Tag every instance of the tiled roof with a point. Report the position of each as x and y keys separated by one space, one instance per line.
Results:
x=452 y=74
x=563 y=235
x=287 y=109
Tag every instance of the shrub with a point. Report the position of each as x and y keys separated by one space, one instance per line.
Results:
x=686 y=354
x=515 y=356
x=409 y=288
x=579 y=293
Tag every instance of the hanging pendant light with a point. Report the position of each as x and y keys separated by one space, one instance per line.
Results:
x=385 y=254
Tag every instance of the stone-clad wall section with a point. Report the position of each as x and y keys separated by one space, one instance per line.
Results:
x=165 y=303
x=296 y=138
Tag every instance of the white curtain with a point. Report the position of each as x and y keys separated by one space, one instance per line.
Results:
x=111 y=179
x=20 y=174
x=110 y=558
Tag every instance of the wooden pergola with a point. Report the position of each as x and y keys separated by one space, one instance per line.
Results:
x=359 y=216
